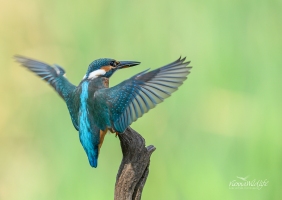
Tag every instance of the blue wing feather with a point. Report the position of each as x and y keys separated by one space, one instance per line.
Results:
x=55 y=77
x=132 y=98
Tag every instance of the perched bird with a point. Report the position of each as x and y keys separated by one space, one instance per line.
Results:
x=95 y=108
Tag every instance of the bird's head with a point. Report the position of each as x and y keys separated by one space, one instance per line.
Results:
x=105 y=67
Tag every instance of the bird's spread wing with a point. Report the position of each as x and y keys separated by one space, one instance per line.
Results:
x=54 y=76
x=132 y=98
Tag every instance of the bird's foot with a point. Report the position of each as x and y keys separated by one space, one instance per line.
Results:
x=117 y=134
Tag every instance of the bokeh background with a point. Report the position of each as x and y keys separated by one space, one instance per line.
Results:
x=224 y=122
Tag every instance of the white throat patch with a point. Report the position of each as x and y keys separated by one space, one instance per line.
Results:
x=95 y=74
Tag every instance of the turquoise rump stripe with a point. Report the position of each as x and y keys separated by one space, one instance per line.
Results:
x=85 y=135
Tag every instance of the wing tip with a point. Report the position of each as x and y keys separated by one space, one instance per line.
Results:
x=19 y=58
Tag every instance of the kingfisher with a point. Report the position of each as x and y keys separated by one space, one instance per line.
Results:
x=95 y=108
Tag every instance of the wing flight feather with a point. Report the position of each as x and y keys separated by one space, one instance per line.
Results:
x=132 y=98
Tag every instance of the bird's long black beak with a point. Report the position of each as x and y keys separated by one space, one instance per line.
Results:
x=125 y=64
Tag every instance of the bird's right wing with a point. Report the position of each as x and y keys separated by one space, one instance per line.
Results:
x=54 y=76
x=132 y=98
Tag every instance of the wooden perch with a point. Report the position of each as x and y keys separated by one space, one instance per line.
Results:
x=134 y=167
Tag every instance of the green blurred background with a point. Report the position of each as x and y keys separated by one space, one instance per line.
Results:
x=225 y=121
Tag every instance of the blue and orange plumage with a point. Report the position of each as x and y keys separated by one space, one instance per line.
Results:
x=95 y=108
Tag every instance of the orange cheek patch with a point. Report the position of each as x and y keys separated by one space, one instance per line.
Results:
x=107 y=68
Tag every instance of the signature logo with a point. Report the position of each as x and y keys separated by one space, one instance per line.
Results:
x=243 y=183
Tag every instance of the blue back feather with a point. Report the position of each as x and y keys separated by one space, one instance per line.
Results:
x=86 y=137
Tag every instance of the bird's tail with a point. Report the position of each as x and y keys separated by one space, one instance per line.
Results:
x=93 y=159
x=91 y=150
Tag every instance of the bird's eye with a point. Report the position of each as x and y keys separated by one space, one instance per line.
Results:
x=113 y=63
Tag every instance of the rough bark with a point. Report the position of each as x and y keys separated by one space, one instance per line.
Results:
x=134 y=167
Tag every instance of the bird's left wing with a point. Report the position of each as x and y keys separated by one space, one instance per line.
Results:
x=132 y=98
x=55 y=77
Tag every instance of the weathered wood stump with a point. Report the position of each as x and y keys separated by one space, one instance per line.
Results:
x=134 y=167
